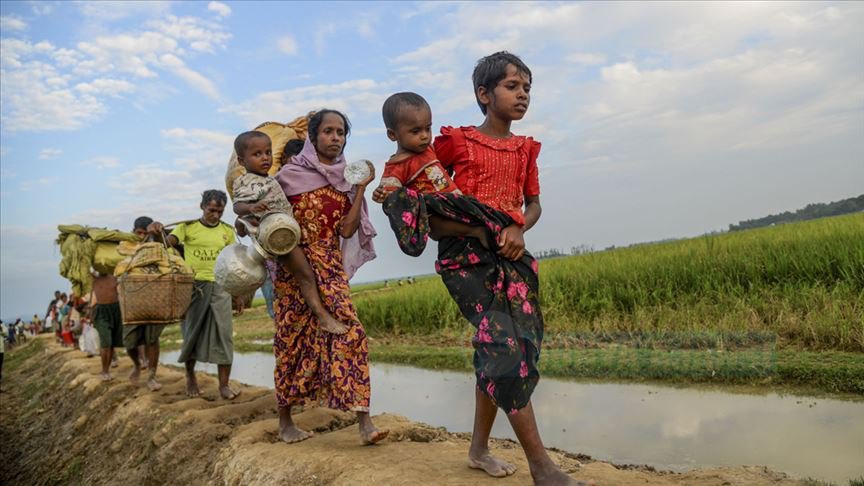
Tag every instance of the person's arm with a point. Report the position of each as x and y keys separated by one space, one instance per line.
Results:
x=512 y=240
x=247 y=208
x=352 y=220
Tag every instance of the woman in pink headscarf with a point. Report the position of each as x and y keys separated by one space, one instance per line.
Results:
x=313 y=365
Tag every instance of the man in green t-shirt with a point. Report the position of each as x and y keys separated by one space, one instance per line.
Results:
x=207 y=329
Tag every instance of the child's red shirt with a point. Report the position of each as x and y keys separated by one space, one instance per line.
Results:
x=421 y=172
x=498 y=172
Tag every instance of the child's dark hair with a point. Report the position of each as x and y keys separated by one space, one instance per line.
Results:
x=242 y=139
x=390 y=110
x=315 y=123
x=213 y=195
x=491 y=69
x=142 y=222
x=292 y=148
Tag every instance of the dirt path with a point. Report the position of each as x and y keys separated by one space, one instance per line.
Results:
x=60 y=423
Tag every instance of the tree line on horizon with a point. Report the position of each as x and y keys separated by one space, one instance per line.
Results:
x=811 y=211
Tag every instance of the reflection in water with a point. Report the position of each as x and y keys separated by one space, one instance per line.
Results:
x=668 y=428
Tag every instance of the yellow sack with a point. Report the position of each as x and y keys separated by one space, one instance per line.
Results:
x=280 y=134
x=106 y=257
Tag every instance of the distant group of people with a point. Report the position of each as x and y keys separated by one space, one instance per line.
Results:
x=473 y=189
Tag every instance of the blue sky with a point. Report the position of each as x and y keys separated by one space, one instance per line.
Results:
x=658 y=120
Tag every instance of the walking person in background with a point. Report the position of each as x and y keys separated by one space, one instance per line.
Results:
x=142 y=341
x=105 y=315
x=207 y=330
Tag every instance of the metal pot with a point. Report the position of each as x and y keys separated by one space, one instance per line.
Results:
x=240 y=269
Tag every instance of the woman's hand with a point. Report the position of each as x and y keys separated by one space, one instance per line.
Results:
x=511 y=243
x=365 y=182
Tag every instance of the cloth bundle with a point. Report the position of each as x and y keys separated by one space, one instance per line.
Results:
x=83 y=248
x=152 y=259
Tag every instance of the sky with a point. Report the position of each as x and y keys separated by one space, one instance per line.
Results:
x=658 y=120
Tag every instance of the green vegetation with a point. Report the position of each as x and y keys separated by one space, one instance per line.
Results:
x=811 y=211
x=800 y=285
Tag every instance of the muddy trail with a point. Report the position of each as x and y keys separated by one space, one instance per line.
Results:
x=59 y=423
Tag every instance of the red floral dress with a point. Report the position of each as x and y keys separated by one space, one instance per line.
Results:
x=313 y=365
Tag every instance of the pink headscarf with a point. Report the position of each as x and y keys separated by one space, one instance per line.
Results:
x=304 y=173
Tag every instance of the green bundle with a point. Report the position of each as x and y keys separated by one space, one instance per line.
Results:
x=83 y=248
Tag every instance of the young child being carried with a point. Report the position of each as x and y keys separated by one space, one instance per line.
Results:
x=415 y=166
x=257 y=195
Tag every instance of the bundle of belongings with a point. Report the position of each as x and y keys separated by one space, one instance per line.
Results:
x=151 y=259
x=85 y=247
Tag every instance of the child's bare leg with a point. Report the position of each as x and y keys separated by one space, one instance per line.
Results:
x=288 y=431
x=136 y=364
x=543 y=470
x=440 y=227
x=105 y=356
x=153 y=358
x=296 y=263
x=478 y=455
x=369 y=434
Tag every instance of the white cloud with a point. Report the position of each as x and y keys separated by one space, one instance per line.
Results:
x=193 y=78
x=287 y=45
x=102 y=162
x=41 y=8
x=49 y=153
x=36 y=183
x=109 y=87
x=201 y=35
x=322 y=33
x=102 y=11
x=586 y=58
x=354 y=96
x=11 y=22
x=220 y=8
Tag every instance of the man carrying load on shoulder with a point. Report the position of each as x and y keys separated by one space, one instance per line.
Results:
x=207 y=330
x=144 y=336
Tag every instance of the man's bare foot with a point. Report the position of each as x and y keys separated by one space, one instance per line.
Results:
x=552 y=475
x=492 y=465
x=192 y=390
x=106 y=376
x=144 y=364
x=227 y=393
x=133 y=377
x=330 y=324
x=114 y=362
x=153 y=385
x=292 y=434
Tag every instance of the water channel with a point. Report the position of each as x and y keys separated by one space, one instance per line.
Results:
x=665 y=427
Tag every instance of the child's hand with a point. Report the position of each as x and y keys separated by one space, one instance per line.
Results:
x=365 y=182
x=259 y=207
x=511 y=242
x=381 y=194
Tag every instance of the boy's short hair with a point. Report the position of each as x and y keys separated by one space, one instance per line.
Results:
x=490 y=70
x=390 y=110
x=213 y=195
x=242 y=139
x=142 y=223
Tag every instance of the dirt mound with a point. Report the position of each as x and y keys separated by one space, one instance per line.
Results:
x=60 y=423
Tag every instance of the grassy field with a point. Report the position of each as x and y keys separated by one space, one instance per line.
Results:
x=777 y=306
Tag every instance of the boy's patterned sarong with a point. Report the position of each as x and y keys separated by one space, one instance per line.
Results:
x=498 y=296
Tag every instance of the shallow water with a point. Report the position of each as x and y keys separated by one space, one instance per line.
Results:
x=668 y=428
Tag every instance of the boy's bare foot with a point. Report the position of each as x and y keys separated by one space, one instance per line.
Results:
x=227 y=393
x=330 y=324
x=153 y=385
x=133 y=377
x=292 y=434
x=106 y=376
x=492 y=465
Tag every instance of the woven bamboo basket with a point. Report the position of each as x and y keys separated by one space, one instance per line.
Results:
x=155 y=299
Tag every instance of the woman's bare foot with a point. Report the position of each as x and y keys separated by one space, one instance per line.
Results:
x=330 y=324
x=153 y=385
x=227 y=393
x=369 y=434
x=133 y=377
x=291 y=434
x=491 y=465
